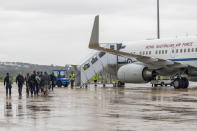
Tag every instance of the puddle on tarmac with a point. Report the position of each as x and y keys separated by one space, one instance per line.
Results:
x=133 y=108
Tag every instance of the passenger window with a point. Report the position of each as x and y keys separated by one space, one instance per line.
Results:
x=166 y=51
x=177 y=51
x=146 y=52
x=112 y=47
x=95 y=59
x=101 y=54
x=188 y=49
x=192 y=49
x=143 y=53
x=172 y=51
x=149 y=52
x=181 y=50
x=185 y=50
x=159 y=51
x=196 y=49
x=162 y=51
x=156 y=52
x=119 y=46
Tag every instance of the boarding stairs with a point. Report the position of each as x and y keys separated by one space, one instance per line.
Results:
x=98 y=62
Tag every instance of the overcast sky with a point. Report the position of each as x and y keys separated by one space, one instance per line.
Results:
x=58 y=31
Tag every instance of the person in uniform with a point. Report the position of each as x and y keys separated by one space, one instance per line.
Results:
x=20 y=81
x=52 y=81
x=41 y=82
x=33 y=83
x=28 y=82
x=8 y=84
x=72 y=79
x=95 y=79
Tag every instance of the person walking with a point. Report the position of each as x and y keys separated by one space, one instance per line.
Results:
x=45 y=79
x=28 y=83
x=52 y=81
x=33 y=83
x=41 y=82
x=37 y=84
x=20 y=81
x=72 y=79
x=8 y=84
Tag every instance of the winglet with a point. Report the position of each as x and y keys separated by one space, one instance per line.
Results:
x=94 y=40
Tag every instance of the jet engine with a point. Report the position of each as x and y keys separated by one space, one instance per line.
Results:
x=133 y=73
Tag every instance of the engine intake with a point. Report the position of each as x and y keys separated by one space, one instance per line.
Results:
x=133 y=73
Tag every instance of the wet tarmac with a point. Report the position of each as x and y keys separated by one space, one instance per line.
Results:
x=133 y=108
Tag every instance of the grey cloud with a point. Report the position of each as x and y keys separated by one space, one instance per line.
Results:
x=74 y=6
x=39 y=31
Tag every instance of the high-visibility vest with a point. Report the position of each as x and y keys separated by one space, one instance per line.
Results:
x=159 y=77
x=95 y=78
x=72 y=76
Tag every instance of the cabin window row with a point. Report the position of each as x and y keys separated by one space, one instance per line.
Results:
x=166 y=51
x=184 y=50
x=145 y=53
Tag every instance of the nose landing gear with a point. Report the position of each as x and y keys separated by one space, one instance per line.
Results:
x=181 y=83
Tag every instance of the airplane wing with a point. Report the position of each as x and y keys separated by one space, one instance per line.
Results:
x=149 y=61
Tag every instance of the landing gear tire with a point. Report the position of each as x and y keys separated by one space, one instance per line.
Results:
x=120 y=84
x=177 y=83
x=181 y=83
x=185 y=83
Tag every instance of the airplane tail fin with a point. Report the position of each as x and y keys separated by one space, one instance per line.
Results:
x=94 y=40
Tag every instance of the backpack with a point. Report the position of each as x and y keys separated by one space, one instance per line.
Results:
x=20 y=79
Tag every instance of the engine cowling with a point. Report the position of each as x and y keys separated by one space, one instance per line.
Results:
x=133 y=73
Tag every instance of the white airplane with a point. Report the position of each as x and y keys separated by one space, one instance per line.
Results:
x=167 y=57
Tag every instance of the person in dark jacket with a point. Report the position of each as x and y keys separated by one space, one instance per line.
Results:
x=8 y=84
x=28 y=83
x=33 y=83
x=20 y=81
x=52 y=81
x=41 y=82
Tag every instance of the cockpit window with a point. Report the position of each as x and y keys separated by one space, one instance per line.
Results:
x=101 y=54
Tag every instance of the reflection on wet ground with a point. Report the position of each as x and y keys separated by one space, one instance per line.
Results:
x=135 y=107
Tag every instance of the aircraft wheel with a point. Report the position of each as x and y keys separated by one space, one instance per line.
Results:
x=185 y=83
x=181 y=83
x=120 y=84
x=177 y=83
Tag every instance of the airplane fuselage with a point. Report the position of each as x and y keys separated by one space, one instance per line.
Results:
x=182 y=50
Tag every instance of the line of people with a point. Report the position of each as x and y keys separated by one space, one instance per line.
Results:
x=36 y=82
